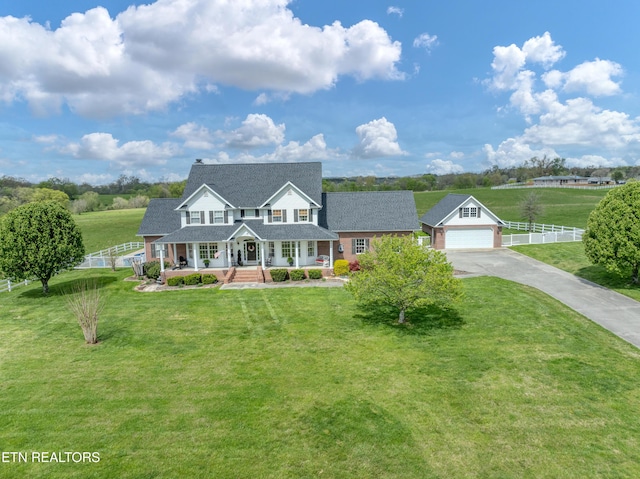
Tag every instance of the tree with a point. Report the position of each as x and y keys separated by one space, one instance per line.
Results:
x=531 y=208
x=612 y=237
x=39 y=240
x=400 y=273
x=47 y=194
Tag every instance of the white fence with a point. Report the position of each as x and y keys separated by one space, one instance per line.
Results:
x=104 y=258
x=540 y=234
x=511 y=186
x=8 y=285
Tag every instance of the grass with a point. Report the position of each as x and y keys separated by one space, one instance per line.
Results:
x=102 y=229
x=570 y=257
x=562 y=206
x=299 y=382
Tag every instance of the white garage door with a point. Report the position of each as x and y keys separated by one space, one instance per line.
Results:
x=469 y=238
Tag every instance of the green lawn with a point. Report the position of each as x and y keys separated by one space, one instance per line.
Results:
x=294 y=383
x=563 y=206
x=102 y=229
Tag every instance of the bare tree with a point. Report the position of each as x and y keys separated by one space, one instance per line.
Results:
x=531 y=208
x=86 y=304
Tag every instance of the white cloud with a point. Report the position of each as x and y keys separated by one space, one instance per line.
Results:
x=103 y=146
x=195 y=136
x=514 y=152
x=151 y=55
x=395 y=11
x=542 y=50
x=426 y=41
x=594 y=78
x=443 y=167
x=595 y=160
x=378 y=138
x=256 y=130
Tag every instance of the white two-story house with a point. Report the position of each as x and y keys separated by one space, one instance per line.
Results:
x=268 y=214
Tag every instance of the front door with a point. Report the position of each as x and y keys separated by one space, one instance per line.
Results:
x=251 y=251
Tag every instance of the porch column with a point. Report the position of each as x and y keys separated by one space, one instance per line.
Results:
x=228 y=254
x=331 y=254
x=161 y=258
x=175 y=254
x=262 y=254
x=297 y=254
x=195 y=255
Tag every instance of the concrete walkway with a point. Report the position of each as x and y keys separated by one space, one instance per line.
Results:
x=613 y=311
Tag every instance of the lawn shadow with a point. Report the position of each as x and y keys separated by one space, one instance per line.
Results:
x=599 y=275
x=66 y=287
x=418 y=321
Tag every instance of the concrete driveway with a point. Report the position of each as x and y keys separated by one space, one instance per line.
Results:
x=613 y=311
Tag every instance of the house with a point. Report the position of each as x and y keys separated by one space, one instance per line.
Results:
x=461 y=221
x=560 y=181
x=263 y=214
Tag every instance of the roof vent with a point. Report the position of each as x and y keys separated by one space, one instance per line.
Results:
x=199 y=161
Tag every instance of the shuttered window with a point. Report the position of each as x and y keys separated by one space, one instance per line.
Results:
x=359 y=245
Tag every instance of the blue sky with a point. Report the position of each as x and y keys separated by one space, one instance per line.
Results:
x=91 y=91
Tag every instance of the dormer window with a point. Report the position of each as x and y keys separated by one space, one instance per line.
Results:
x=195 y=217
x=277 y=216
x=301 y=215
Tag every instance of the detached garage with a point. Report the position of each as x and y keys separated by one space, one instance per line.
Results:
x=462 y=222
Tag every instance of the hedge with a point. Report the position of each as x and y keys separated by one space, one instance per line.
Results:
x=175 y=281
x=279 y=275
x=297 y=275
x=192 y=279
x=341 y=267
x=209 y=279
x=315 y=273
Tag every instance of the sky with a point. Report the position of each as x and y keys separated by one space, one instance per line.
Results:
x=91 y=91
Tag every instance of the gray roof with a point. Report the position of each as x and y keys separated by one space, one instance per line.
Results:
x=556 y=178
x=160 y=217
x=250 y=185
x=268 y=232
x=443 y=208
x=369 y=211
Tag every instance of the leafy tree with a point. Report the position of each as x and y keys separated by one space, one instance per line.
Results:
x=47 y=194
x=39 y=240
x=531 y=208
x=612 y=237
x=617 y=176
x=400 y=273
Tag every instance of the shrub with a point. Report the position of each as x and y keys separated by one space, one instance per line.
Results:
x=279 y=275
x=86 y=304
x=209 y=279
x=341 y=267
x=192 y=279
x=315 y=274
x=175 y=281
x=152 y=269
x=297 y=275
x=354 y=265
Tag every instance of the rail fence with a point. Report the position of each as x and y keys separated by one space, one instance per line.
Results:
x=540 y=234
x=511 y=186
x=106 y=257
x=8 y=285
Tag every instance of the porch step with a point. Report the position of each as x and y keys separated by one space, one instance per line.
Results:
x=245 y=276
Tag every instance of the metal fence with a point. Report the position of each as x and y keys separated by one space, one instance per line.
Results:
x=105 y=257
x=540 y=234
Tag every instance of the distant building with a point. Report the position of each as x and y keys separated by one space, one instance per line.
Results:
x=561 y=181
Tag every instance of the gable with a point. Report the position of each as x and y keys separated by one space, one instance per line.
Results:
x=204 y=198
x=447 y=212
x=289 y=197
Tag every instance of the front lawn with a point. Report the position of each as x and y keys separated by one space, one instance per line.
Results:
x=570 y=257
x=297 y=382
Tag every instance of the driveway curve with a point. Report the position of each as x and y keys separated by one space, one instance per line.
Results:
x=613 y=311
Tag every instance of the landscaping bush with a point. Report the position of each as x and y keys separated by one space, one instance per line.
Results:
x=278 y=275
x=152 y=269
x=209 y=279
x=354 y=266
x=315 y=274
x=192 y=279
x=341 y=267
x=175 y=281
x=297 y=275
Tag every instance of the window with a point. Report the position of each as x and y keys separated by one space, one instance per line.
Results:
x=155 y=250
x=272 y=249
x=196 y=217
x=217 y=217
x=208 y=250
x=311 y=249
x=359 y=245
x=288 y=249
x=470 y=212
x=302 y=215
x=278 y=216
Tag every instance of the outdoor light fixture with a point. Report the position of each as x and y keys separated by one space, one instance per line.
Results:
x=340 y=248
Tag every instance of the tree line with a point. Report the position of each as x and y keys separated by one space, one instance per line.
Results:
x=132 y=192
